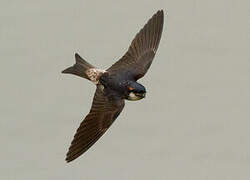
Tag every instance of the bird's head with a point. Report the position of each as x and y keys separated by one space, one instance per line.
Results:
x=136 y=91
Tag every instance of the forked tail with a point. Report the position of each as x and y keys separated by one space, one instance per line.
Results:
x=79 y=68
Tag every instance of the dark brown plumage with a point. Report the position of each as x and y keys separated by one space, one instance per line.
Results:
x=115 y=85
x=103 y=112
x=142 y=50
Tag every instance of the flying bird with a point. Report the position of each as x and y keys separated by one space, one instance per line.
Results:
x=114 y=85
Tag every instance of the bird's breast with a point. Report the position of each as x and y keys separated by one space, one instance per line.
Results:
x=117 y=83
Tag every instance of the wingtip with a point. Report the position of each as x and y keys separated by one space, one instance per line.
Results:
x=69 y=159
x=161 y=11
x=160 y=14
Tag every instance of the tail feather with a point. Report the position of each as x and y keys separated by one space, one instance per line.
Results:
x=79 y=68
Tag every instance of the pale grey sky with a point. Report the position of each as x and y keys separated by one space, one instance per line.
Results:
x=193 y=124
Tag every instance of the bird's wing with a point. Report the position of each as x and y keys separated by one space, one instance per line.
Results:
x=103 y=112
x=141 y=52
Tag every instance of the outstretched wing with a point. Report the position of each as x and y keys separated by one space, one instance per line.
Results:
x=103 y=112
x=142 y=50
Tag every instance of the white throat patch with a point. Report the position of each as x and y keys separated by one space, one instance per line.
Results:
x=133 y=97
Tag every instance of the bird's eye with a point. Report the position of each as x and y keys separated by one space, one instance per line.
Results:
x=130 y=88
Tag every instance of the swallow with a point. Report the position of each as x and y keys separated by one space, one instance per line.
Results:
x=115 y=85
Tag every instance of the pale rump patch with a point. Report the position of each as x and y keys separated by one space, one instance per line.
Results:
x=94 y=74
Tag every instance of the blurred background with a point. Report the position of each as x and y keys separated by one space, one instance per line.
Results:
x=193 y=124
